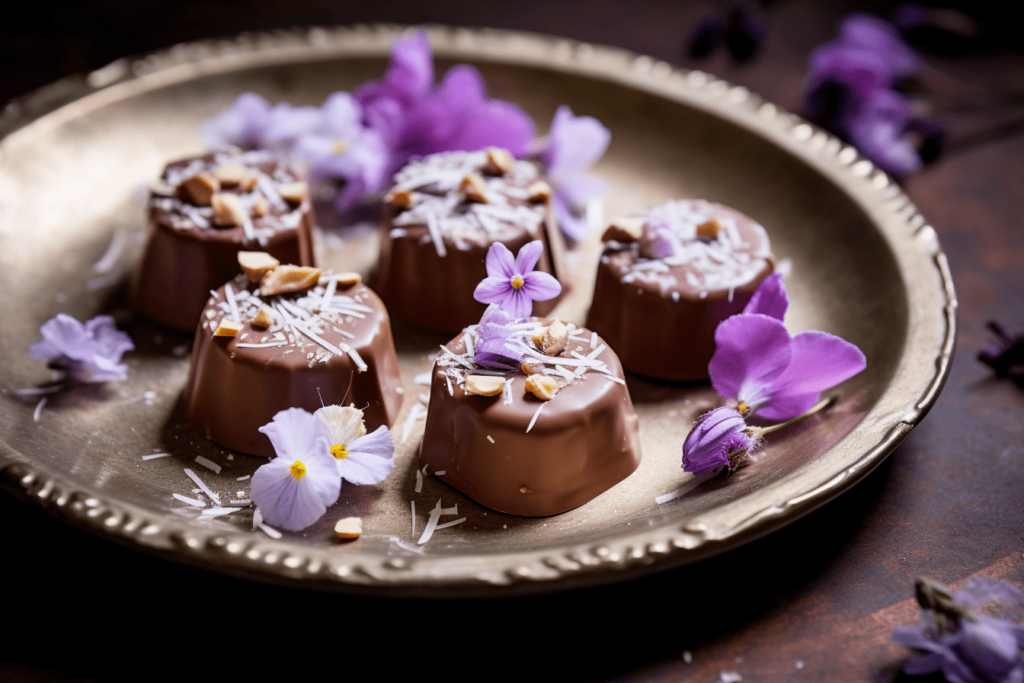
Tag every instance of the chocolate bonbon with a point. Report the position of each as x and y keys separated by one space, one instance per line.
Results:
x=257 y=353
x=202 y=212
x=665 y=281
x=441 y=217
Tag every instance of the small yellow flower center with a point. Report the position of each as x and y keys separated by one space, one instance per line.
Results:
x=339 y=452
x=743 y=409
x=340 y=145
x=517 y=282
x=298 y=470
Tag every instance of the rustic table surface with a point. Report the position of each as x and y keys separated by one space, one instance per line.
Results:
x=815 y=601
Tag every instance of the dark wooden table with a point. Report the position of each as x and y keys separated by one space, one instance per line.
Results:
x=815 y=601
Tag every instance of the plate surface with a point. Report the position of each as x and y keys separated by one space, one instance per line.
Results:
x=865 y=266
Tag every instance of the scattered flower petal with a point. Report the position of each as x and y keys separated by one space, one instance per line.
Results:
x=575 y=143
x=360 y=458
x=87 y=353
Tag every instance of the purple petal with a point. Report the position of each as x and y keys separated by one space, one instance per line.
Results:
x=987 y=647
x=291 y=503
x=878 y=130
x=879 y=36
x=863 y=70
x=493 y=290
x=713 y=437
x=242 y=124
x=500 y=262
x=494 y=124
x=62 y=336
x=526 y=259
x=576 y=189
x=752 y=351
x=286 y=124
x=540 y=286
x=408 y=78
x=912 y=636
x=819 y=361
x=925 y=664
x=575 y=227
x=770 y=298
x=518 y=303
x=574 y=143
x=370 y=458
x=111 y=342
x=296 y=435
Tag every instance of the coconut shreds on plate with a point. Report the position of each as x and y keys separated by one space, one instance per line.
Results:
x=218 y=511
x=208 y=464
x=243 y=478
x=419 y=482
x=39 y=409
x=269 y=530
x=191 y=501
x=257 y=519
x=412 y=505
x=448 y=524
x=112 y=254
x=202 y=487
x=435 y=515
x=154 y=456
x=415 y=413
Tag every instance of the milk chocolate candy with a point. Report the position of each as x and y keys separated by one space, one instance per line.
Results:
x=441 y=217
x=519 y=454
x=331 y=343
x=202 y=213
x=658 y=299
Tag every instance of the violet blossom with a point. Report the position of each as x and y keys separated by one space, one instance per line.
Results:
x=294 y=489
x=850 y=91
x=87 y=353
x=966 y=646
x=758 y=364
x=314 y=453
x=513 y=284
x=575 y=143
x=492 y=349
x=719 y=438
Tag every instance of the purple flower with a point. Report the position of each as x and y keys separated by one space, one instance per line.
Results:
x=294 y=489
x=361 y=458
x=89 y=352
x=715 y=436
x=759 y=364
x=408 y=80
x=243 y=124
x=512 y=283
x=492 y=350
x=967 y=647
x=879 y=130
x=879 y=36
x=575 y=143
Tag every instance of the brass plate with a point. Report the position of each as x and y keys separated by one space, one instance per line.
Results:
x=866 y=266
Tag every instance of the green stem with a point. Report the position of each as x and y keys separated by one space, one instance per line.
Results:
x=818 y=407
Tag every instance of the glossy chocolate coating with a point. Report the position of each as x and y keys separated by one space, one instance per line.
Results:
x=183 y=262
x=436 y=292
x=668 y=332
x=585 y=440
x=232 y=391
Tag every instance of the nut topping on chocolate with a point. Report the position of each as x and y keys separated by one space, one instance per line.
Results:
x=542 y=386
x=624 y=229
x=538 y=192
x=400 y=199
x=348 y=279
x=474 y=187
x=555 y=339
x=230 y=173
x=227 y=209
x=499 y=161
x=483 y=385
x=709 y=229
x=264 y=317
x=293 y=193
x=289 y=279
x=198 y=189
x=256 y=264
x=227 y=328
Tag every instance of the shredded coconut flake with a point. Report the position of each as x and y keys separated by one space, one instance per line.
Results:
x=154 y=456
x=415 y=413
x=269 y=531
x=191 y=501
x=229 y=293
x=419 y=482
x=202 y=487
x=489 y=438
x=448 y=524
x=39 y=409
x=412 y=505
x=208 y=464
x=535 y=416
x=242 y=478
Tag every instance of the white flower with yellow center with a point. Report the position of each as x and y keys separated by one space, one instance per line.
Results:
x=294 y=489
x=361 y=458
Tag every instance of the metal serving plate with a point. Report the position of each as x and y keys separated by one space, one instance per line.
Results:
x=865 y=266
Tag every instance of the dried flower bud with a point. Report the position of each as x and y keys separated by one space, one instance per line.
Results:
x=289 y=279
x=499 y=161
x=483 y=385
x=543 y=387
x=475 y=188
x=198 y=189
x=624 y=229
x=256 y=264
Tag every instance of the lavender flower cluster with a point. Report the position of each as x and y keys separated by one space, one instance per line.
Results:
x=850 y=91
x=358 y=140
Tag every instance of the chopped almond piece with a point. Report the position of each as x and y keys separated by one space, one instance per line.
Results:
x=230 y=173
x=348 y=279
x=227 y=209
x=198 y=189
x=293 y=193
x=350 y=527
x=475 y=188
x=537 y=336
x=539 y=192
x=260 y=207
x=483 y=385
x=709 y=229
x=400 y=199
x=288 y=279
x=256 y=264
x=531 y=369
x=264 y=317
x=227 y=328
x=499 y=161
x=543 y=387
x=248 y=183
x=555 y=339
x=624 y=229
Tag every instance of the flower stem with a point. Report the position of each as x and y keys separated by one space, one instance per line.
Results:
x=818 y=407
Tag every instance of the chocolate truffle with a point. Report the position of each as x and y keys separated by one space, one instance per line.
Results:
x=329 y=343
x=516 y=453
x=666 y=280
x=441 y=217
x=202 y=212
